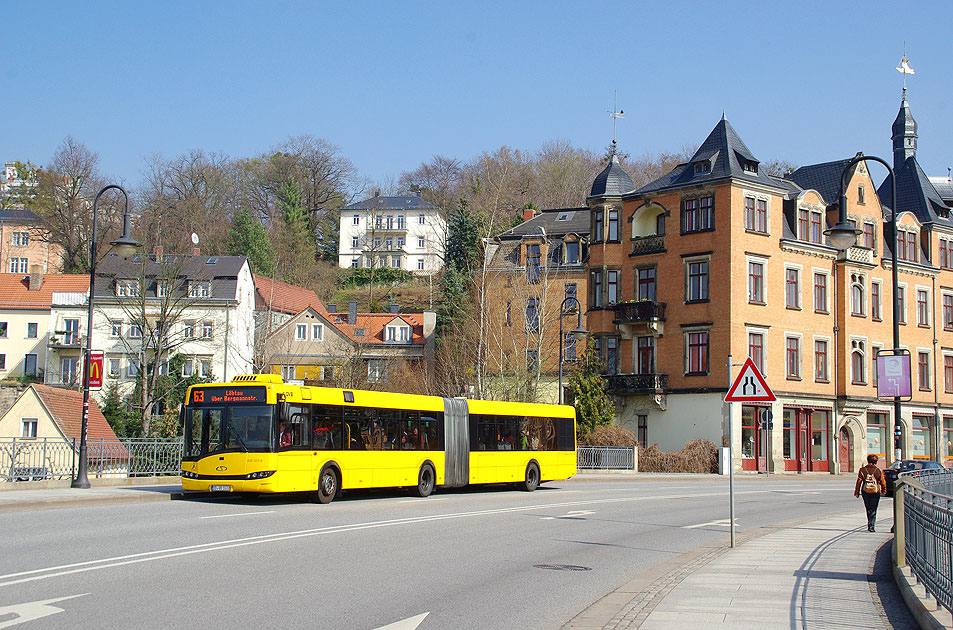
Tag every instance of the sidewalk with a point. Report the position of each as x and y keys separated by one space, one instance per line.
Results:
x=827 y=573
x=57 y=494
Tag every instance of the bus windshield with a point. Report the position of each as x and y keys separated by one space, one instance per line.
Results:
x=228 y=428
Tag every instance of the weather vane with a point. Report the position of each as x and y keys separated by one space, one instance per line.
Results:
x=904 y=67
x=616 y=114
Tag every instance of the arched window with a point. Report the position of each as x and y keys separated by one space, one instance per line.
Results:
x=857 y=306
x=858 y=374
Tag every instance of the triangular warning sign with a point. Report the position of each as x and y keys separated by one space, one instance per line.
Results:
x=749 y=386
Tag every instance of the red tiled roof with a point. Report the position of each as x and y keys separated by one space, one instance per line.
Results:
x=374 y=324
x=284 y=297
x=66 y=410
x=15 y=289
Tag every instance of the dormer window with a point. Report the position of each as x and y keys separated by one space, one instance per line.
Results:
x=200 y=289
x=572 y=253
x=127 y=288
x=398 y=334
x=749 y=166
x=703 y=167
x=533 y=261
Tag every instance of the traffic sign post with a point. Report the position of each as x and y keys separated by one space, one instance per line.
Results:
x=748 y=386
x=96 y=364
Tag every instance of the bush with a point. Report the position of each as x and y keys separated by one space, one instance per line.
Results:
x=698 y=456
x=607 y=435
x=383 y=275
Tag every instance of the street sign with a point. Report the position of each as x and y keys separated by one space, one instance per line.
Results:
x=749 y=386
x=893 y=375
x=96 y=364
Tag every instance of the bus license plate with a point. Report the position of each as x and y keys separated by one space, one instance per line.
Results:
x=220 y=489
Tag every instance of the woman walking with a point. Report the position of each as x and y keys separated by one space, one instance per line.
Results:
x=870 y=485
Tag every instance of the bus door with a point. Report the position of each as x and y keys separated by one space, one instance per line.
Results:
x=294 y=448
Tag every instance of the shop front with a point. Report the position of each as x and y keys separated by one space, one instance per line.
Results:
x=806 y=440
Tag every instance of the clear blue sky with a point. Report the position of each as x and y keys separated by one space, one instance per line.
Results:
x=393 y=83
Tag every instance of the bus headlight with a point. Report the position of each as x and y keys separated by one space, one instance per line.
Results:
x=260 y=475
x=188 y=474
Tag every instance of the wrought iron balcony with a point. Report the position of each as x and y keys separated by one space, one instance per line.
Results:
x=641 y=311
x=636 y=383
x=648 y=245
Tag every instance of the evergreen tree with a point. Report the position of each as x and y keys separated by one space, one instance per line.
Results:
x=587 y=387
x=124 y=424
x=463 y=241
x=247 y=237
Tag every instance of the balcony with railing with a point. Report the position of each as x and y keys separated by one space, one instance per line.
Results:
x=641 y=311
x=621 y=384
x=642 y=245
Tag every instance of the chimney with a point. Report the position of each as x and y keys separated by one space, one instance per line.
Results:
x=430 y=326
x=196 y=251
x=394 y=308
x=332 y=308
x=528 y=213
x=36 y=277
x=352 y=312
x=158 y=251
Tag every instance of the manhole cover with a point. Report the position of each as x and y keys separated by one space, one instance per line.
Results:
x=562 y=567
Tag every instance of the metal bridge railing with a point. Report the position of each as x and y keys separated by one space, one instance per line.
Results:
x=39 y=459
x=926 y=533
x=605 y=457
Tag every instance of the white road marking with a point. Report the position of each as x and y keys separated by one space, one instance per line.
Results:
x=117 y=561
x=410 y=623
x=239 y=514
x=569 y=514
x=722 y=523
x=29 y=611
x=428 y=499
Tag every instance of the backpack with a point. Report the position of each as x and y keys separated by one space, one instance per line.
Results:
x=870 y=485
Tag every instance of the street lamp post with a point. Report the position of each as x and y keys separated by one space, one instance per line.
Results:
x=125 y=246
x=843 y=236
x=577 y=331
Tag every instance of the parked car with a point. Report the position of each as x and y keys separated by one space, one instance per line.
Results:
x=904 y=465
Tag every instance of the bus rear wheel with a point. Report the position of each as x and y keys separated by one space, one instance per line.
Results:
x=532 y=477
x=327 y=485
x=425 y=481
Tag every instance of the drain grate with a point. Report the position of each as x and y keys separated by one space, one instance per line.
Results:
x=562 y=567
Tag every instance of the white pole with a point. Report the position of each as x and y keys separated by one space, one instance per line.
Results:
x=731 y=464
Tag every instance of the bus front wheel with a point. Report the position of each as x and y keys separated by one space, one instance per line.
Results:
x=532 y=477
x=425 y=481
x=327 y=485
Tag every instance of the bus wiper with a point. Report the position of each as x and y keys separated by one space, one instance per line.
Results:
x=238 y=437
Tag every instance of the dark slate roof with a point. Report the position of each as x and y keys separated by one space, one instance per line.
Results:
x=944 y=187
x=221 y=271
x=916 y=194
x=382 y=203
x=727 y=153
x=613 y=181
x=904 y=124
x=555 y=222
x=824 y=178
x=18 y=215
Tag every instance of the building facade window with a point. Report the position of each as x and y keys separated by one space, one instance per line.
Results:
x=923 y=370
x=696 y=354
x=317 y=332
x=875 y=301
x=301 y=332
x=645 y=359
x=820 y=293
x=792 y=288
x=756 y=282
x=19 y=264
x=646 y=289
x=857 y=295
x=756 y=349
x=756 y=215
x=533 y=256
x=696 y=284
x=820 y=360
x=188 y=330
x=612 y=286
x=907 y=245
x=28 y=427
x=947 y=311
x=595 y=282
x=698 y=215
x=793 y=357
x=923 y=308
x=948 y=373
x=597 y=225
x=868 y=239
x=901 y=305
x=572 y=253
x=207 y=328
x=613 y=226
x=643 y=430
x=532 y=315
x=858 y=374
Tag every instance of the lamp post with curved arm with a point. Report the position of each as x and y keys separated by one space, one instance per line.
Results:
x=843 y=236
x=125 y=246
x=577 y=331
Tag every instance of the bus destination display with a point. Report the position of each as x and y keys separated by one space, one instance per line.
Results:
x=221 y=395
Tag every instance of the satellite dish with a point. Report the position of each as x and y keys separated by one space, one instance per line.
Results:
x=195 y=238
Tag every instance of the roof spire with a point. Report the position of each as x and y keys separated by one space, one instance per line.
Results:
x=615 y=114
x=723 y=117
x=904 y=68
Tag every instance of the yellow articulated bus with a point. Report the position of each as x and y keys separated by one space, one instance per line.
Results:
x=260 y=435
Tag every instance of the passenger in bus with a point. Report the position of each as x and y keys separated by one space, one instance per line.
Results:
x=284 y=435
x=323 y=437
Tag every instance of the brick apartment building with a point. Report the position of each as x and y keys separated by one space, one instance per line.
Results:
x=720 y=258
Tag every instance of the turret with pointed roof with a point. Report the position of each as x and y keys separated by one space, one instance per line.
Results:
x=904 y=134
x=722 y=155
x=613 y=181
